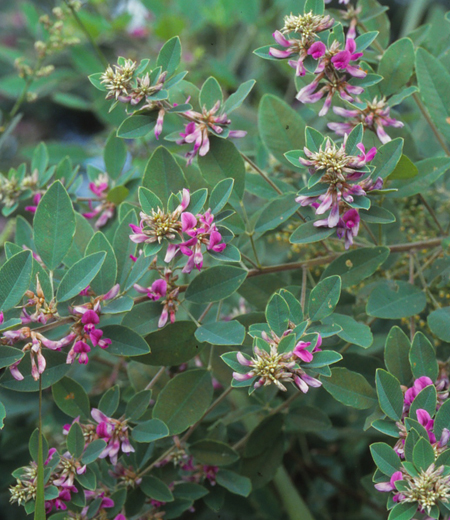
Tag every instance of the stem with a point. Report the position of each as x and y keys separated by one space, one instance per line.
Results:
x=187 y=434
x=155 y=378
x=372 y=236
x=205 y=312
x=263 y=175
x=411 y=281
x=40 y=501
x=210 y=409
x=375 y=43
x=252 y=242
x=431 y=124
x=249 y=260
x=294 y=505
x=88 y=35
x=432 y=213
x=304 y=283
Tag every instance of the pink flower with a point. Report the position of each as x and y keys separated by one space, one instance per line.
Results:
x=348 y=226
x=115 y=433
x=36 y=199
x=427 y=422
x=418 y=386
x=157 y=290
x=390 y=486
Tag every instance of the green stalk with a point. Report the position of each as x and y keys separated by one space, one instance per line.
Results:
x=294 y=504
x=39 y=511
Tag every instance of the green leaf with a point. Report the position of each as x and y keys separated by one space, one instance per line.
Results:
x=93 y=450
x=39 y=160
x=137 y=405
x=213 y=453
x=364 y=40
x=354 y=138
x=423 y=358
x=390 y=394
x=314 y=139
x=173 y=345
x=316 y=6
x=210 y=93
x=377 y=215
x=110 y=401
x=276 y=212
x=75 y=440
x=323 y=359
x=387 y=461
x=220 y=195
x=137 y=125
x=184 y=400
x=324 y=298
x=124 y=247
x=156 y=489
x=237 y=98
x=55 y=370
x=438 y=322
x=149 y=201
x=79 y=276
x=9 y=355
x=125 y=342
x=430 y=170
x=215 y=284
x=221 y=333
x=303 y=419
x=277 y=314
x=423 y=454
x=117 y=195
x=2 y=415
x=169 y=56
x=295 y=309
x=395 y=299
x=281 y=128
x=308 y=233
x=162 y=175
x=190 y=491
x=15 y=275
x=150 y=431
x=405 y=169
x=396 y=355
x=387 y=158
x=83 y=233
x=223 y=161
x=54 y=225
x=106 y=277
x=396 y=66
x=426 y=400
x=71 y=398
x=434 y=85
x=234 y=482
x=350 y=388
x=353 y=331
x=114 y=155
x=386 y=427
x=403 y=511
x=442 y=419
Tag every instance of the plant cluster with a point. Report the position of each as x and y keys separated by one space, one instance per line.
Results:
x=207 y=326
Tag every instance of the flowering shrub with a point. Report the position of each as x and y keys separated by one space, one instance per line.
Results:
x=223 y=323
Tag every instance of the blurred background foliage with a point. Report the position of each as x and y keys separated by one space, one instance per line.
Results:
x=331 y=468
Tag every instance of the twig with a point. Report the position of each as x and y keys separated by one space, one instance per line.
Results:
x=412 y=326
x=432 y=213
x=431 y=124
x=155 y=378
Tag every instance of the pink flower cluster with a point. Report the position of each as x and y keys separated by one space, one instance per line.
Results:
x=342 y=174
x=334 y=67
x=84 y=330
x=203 y=124
x=201 y=230
x=115 y=433
x=270 y=367
x=374 y=116
x=105 y=208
